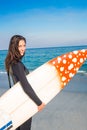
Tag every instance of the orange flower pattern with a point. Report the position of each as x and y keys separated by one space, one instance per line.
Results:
x=68 y=64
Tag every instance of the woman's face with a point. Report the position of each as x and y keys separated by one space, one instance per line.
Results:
x=22 y=47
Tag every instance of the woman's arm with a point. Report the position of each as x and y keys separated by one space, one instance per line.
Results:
x=18 y=71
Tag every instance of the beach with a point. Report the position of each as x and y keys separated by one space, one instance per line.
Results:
x=67 y=111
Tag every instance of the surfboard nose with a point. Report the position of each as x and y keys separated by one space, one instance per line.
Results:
x=68 y=64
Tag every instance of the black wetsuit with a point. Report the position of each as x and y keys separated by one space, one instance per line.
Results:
x=18 y=73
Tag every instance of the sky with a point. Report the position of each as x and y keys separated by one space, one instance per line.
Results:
x=44 y=23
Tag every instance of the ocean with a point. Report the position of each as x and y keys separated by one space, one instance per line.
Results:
x=35 y=57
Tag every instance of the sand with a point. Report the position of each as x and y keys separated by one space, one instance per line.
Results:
x=67 y=111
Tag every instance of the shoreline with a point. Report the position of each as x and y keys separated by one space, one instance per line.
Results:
x=77 y=83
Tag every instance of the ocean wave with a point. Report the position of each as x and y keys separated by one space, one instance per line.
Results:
x=79 y=72
x=3 y=72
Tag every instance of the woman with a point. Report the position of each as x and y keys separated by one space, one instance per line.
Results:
x=18 y=71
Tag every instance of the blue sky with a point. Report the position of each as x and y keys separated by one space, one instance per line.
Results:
x=44 y=23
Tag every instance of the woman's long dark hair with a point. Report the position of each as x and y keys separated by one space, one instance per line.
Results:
x=13 y=55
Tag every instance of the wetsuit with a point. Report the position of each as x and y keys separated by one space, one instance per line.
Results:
x=18 y=73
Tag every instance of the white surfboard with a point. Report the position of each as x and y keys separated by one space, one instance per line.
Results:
x=47 y=81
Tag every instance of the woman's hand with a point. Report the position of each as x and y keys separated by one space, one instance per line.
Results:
x=41 y=106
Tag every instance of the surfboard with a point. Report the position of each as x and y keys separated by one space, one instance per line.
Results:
x=47 y=81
